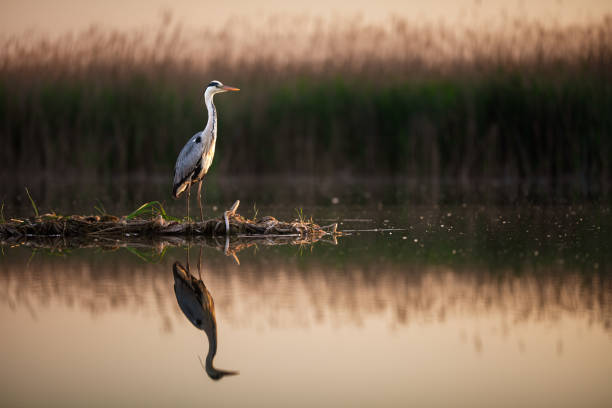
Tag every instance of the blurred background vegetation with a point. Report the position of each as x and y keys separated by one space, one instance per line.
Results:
x=524 y=102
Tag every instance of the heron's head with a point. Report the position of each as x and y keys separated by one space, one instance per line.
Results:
x=216 y=87
x=216 y=375
x=213 y=372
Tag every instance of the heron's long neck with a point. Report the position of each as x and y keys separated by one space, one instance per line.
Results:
x=212 y=348
x=211 y=125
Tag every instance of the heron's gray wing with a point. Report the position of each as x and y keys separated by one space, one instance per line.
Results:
x=189 y=297
x=190 y=305
x=187 y=162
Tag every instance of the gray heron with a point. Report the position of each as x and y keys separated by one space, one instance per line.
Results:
x=195 y=158
x=197 y=304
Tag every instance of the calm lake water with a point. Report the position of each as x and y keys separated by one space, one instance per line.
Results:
x=459 y=304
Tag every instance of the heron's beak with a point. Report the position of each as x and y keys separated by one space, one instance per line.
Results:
x=229 y=88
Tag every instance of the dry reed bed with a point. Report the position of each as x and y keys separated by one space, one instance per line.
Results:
x=518 y=100
x=290 y=46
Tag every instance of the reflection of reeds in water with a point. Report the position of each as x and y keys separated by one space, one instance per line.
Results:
x=524 y=100
x=287 y=296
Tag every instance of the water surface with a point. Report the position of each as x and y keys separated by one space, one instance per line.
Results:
x=444 y=305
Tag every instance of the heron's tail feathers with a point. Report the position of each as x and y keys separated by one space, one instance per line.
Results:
x=179 y=270
x=177 y=189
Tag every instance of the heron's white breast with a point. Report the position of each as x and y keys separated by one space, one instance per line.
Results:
x=208 y=158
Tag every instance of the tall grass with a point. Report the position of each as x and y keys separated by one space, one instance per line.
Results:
x=518 y=101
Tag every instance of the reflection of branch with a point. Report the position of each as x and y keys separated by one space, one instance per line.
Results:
x=230 y=245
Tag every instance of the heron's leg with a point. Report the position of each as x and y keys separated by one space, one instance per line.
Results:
x=200 y=200
x=188 y=246
x=200 y=263
x=188 y=196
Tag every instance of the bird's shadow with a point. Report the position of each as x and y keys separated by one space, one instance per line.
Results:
x=198 y=306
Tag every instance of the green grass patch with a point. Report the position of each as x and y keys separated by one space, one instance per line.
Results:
x=32 y=202
x=151 y=210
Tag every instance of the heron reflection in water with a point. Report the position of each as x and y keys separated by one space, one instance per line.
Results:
x=197 y=304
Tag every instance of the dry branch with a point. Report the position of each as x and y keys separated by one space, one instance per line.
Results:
x=107 y=226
